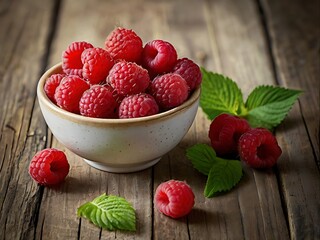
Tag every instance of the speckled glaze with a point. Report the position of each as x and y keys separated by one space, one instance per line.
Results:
x=118 y=145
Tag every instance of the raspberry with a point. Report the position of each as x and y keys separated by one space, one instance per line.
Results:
x=49 y=167
x=159 y=56
x=97 y=63
x=124 y=44
x=189 y=71
x=128 y=78
x=259 y=148
x=71 y=58
x=115 y=94
x=97 y=102
x=51 y=84
x=224 y=133
x=169 y=90
x=69 y=92
x=174 y=198
x=139 y=105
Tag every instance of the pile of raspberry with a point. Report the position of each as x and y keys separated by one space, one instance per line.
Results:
x=232 y=137
x=124 y=79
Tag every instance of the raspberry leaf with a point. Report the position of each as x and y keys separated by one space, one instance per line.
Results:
x=202 y=157
x=268 y=105
x=223 y=176
x=109 y=212
x=219 y=95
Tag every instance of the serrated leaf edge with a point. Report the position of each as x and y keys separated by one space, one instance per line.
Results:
x=108 y=217
x=239 y=106
x=211 y=194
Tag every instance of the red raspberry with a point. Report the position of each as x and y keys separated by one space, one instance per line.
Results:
x=69 y=92
x=124 y=44
x=51 y=84
x=224 y=133
x=71 y=58
x=97 y=102
x=259 y=148
x=49 y=167
x=97 y=63
x=159 y=56
x=189 y=71
x=128 y=78
x=115 y=94
x=169 y=90
x=138 y=105
x=174 y=198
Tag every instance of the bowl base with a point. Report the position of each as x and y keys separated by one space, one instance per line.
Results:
x=125 y=168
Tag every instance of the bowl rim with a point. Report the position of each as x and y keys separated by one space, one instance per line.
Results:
x=57 y=68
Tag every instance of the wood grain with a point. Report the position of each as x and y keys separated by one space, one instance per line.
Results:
x=23 y=45
x=251 y=212
x=297 y=66
x=253 y=42
x=297 y=62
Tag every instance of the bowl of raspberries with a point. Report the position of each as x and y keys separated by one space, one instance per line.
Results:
x=122 y=106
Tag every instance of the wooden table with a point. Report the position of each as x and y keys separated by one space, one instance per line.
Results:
x=253 y=42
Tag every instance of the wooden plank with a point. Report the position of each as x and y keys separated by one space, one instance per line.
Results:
x=297 y=62
x=297 y=66
x=235 y=47
x=23 y=44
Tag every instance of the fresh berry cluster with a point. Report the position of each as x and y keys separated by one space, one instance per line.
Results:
x=232 y=136
x=124 y=79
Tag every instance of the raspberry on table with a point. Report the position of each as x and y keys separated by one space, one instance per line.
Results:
x=159 y=57
x=98 y=102
x=124 y=44
x=224 y=133
x=69 y=92
x=259 y=148
x=189 y=71
x=49 y=167
x=170 y=90
x=71 y=58
x=97 y=63
x=174 y=198
x=138 y=105
x=128 y=78
x=51 y=84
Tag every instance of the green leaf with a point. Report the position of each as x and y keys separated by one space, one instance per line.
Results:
x=223 y=176
x=268 y=105
x=202 y=157
x=109 y=212
x=220 y=94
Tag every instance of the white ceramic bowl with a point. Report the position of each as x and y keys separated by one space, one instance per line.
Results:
x=118 y=145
